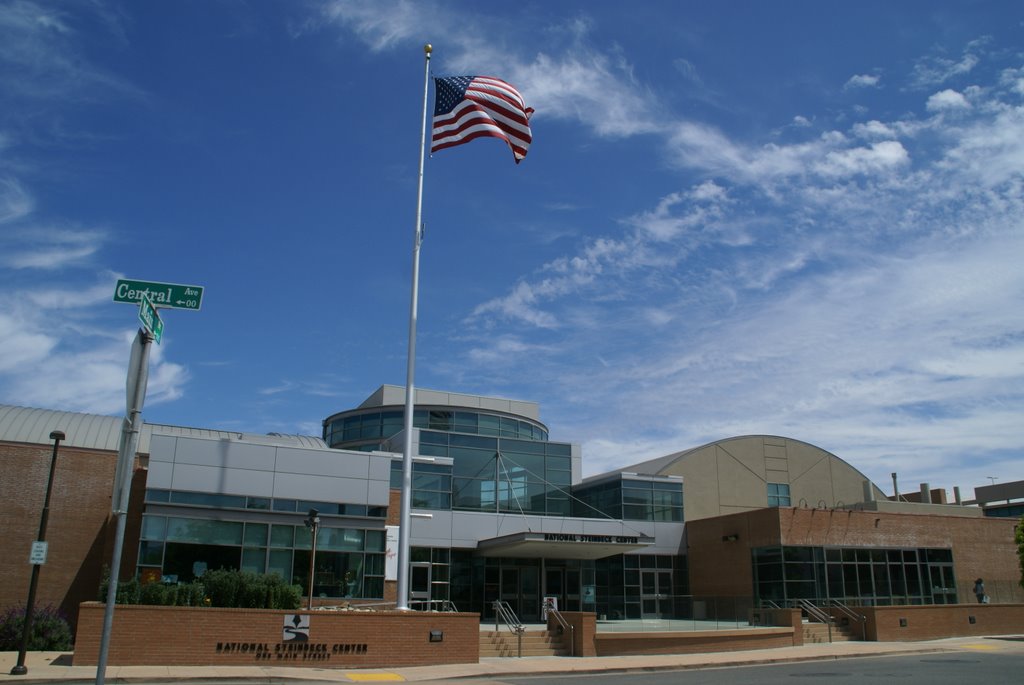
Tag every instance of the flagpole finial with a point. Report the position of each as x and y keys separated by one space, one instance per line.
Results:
x=428 y=48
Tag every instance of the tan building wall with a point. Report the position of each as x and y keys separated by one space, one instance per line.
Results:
x=732 y=475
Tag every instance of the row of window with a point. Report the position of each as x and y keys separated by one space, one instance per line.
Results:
x=857 y=575
x=378 y=425
x=284 y=505
x=349 y=561
x=630 y=499
x=250 y=534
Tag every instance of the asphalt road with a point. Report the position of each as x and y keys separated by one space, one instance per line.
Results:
x=938 y=669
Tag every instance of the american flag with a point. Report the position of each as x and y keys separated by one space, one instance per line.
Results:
x=468 y=107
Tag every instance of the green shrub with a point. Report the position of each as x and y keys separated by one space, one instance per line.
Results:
x=156 y=594
x=190 y=595
x=49 y=631
x=223 y=587
x=220 y=588
x=242 y=589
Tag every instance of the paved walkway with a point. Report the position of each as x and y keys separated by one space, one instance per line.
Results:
x=50 y=667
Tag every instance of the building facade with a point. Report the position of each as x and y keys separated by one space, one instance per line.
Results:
x=499 y=512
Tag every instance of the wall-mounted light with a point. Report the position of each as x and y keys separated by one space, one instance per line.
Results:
x=437 y=636
x=730 y=538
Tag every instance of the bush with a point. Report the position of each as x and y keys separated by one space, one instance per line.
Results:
x=221 y=588
x=190 y=595
x=127 y=591
x=241 y=589
x=49 y=631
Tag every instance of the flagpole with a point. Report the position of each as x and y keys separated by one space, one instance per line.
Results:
x=402 y=599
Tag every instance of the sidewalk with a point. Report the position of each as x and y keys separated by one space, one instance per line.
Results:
x=54 y=667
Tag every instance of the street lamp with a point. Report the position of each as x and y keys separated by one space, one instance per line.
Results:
x=19 y=668
x=313 y=523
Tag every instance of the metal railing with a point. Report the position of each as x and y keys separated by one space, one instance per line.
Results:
x=816 y=613
x=446 y=605
x=562 y=625
x=850 y=613
x=503 y=612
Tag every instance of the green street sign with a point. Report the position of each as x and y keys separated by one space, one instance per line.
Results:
x=163 y=295
x=151 y=319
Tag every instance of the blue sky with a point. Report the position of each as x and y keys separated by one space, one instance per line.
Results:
x=794 y=218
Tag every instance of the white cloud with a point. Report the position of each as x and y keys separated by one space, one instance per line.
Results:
x=879 y=157
x=862 y=81
x=947 y=100
x=15 y=202
x=935 y=70
x=35 y=247
x=53 y=358
x=873 y=130
x=381 y=25
x=21 y=348
x=594 y=86
x=40 y=52
x=991 y=151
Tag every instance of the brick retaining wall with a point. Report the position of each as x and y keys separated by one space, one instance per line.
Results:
x=152 y=635
x=937 y=621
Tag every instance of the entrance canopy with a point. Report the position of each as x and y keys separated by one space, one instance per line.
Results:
x=530 y=545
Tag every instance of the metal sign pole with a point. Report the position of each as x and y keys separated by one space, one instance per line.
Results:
x=138 y=377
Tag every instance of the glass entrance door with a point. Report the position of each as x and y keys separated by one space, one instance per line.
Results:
x=419 y=584
x=563 y=583
x=519 y=586
x=655 y=594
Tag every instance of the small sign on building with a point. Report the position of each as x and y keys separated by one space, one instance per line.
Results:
x=37 y=557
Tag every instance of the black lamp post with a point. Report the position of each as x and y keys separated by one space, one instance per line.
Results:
x=19 y=668
x=313 y=523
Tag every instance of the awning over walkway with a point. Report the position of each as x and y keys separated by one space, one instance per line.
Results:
x=529 y=545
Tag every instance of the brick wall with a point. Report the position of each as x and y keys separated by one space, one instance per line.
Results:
x=79 y=530
x=632 y=644
x=583 y=630
x=982 y=547
x=909 y=623
x=145 y=635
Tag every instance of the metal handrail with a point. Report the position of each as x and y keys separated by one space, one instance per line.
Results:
x=563 y=624
x=818 y=614
x=847 y=611
x=503 y=612
x=446 y=604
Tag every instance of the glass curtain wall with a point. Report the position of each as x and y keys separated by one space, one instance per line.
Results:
x=349 y=431
x=180 y=548
x=504 y=474
x=632 y=499
x=855 y=576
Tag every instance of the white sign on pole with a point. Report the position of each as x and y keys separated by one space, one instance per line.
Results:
x=391 y=553
x=37 y=557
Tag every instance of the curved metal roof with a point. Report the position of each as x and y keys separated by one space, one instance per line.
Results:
x=92 y=431
x=657 y=465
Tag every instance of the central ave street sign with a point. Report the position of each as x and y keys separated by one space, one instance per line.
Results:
x=163 y=295
x=150 y=318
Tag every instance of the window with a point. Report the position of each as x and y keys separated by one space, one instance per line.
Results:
x=778 y=495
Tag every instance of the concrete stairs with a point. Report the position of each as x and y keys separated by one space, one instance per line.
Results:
x=535 y=643
x=816 y=633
